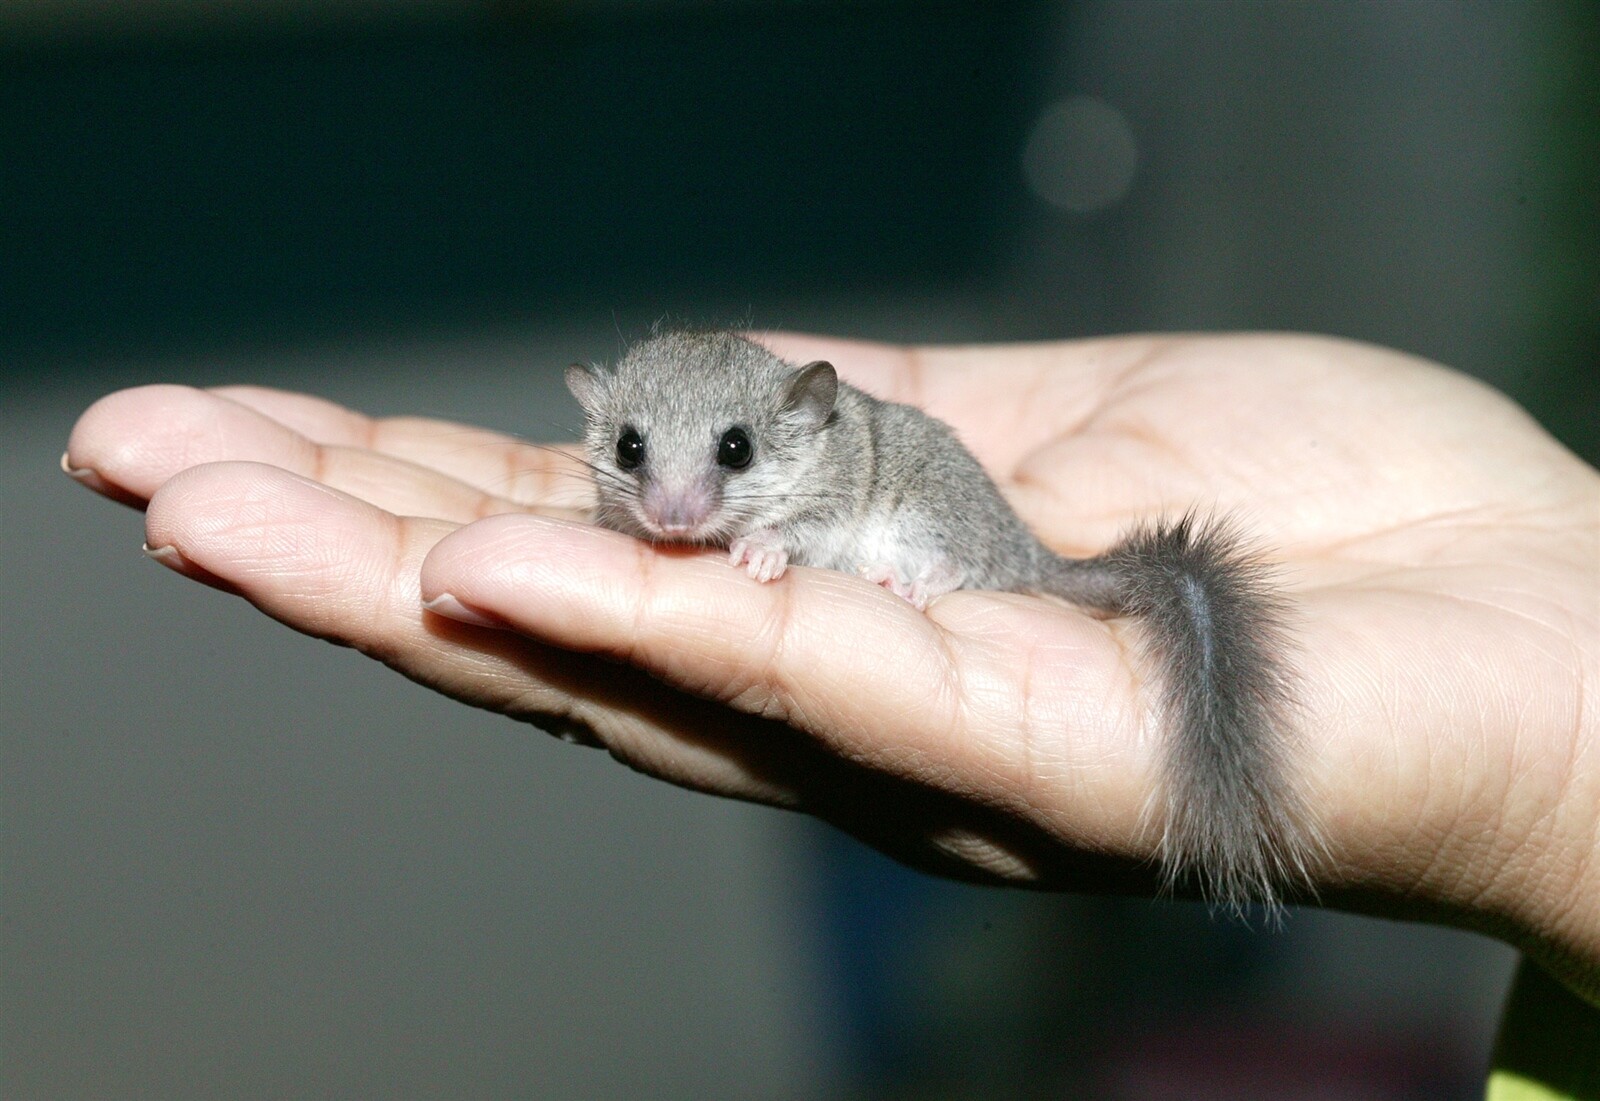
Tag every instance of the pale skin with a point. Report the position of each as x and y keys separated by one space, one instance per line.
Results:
x=1442 y=552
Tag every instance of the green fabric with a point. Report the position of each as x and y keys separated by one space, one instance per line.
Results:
x=1549 y=1045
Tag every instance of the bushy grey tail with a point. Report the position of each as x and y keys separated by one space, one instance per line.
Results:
x=1215 y=627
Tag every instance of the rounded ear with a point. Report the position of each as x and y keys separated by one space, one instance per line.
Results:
x=812 y=393
x=584 y=382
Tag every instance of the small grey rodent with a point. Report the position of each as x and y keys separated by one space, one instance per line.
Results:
x=708 y=438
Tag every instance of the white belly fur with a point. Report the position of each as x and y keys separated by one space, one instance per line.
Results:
x=901 y=540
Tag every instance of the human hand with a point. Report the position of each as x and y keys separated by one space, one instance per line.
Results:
x=1440 y=550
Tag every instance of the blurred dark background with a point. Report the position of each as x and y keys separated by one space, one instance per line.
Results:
x=238 y=863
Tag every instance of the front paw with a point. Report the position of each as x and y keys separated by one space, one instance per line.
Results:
x=761 y=553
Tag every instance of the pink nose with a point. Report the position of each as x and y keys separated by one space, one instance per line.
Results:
x=678 y=512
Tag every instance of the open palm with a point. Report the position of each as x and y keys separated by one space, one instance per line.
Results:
x=1440 y=549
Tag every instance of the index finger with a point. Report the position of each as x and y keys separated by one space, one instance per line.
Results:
x=129 y=443
x=532 y=474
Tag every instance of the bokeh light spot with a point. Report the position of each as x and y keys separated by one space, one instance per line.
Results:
x=1081 y=155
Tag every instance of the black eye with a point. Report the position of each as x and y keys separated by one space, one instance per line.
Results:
x=734 y=451
x=630 y=449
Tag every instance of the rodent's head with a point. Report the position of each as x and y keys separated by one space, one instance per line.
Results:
x=702 y=437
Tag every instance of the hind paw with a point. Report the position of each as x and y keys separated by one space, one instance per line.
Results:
x=919 y=589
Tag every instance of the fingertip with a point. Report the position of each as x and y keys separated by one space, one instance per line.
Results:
x=105 y=450
x=221 y=507
x=134 y=440
x=180 y=502
x=96 y=432
x=479 y=551
x=560 y=580
x=329 y=563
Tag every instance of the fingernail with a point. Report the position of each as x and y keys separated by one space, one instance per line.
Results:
x=167 y=556
x=571 y=732
x=84 y=475
x=449 y=606
x=170 y=557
